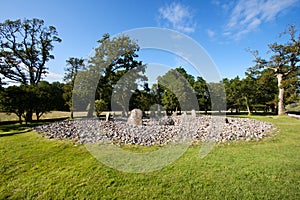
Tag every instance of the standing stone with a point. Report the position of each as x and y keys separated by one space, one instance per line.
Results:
x=152 y=114
x=193 y=112
x=107 y=116
x=174 y=114
x=135 y=117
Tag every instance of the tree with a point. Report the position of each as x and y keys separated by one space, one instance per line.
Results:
x=1 y=84
x=233 y=93
x=201 y=89
x=73 y=66
x=10 y=104
x=217 y=96
x=113 y=58
x=142 y=99
x=266 y=90
x=249 y=89
x=283 y=62
x=58 y=92
x=25 y=48
x=178 y=93
x=100 y=106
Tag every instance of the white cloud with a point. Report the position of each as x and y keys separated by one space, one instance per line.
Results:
x=51 y=76
x=247 y=16
x=178 y=17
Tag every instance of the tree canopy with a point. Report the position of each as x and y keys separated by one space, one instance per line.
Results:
x=284 y=62
x=25 y=47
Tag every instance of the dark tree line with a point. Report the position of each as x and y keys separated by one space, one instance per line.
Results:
x=25 y=100
x=25 y=47
x=114 y=79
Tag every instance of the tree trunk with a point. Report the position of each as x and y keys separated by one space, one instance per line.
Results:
x=281 y=110
x=28 y=116
x=91 y=109
x=248 y=107
x=20 y=119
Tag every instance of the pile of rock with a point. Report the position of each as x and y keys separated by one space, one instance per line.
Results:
x=159 y=131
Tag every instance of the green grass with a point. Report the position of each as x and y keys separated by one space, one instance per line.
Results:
x=33 y=167
x=50 y=115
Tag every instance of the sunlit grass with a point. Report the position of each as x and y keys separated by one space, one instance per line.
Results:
x=49 y=115
x=35 y=167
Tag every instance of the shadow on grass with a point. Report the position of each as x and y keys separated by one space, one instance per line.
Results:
x=16 y=128
x=14 y=133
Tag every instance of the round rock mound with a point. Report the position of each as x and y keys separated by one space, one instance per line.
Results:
x=173 y=129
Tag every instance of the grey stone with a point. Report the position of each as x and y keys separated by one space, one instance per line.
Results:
x=156 y=133
x=193 y=113
x=152 y=114
x=107 y=116
x=135 y=118
x=166 y=121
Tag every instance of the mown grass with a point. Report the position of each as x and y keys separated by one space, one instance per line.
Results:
x=33 y=167
x=49 y=115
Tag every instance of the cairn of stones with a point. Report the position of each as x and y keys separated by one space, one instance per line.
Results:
x=158 y=131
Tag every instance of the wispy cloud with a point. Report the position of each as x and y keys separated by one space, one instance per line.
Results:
x=178 y=17
x=51 y=76
x=210 y=33
x=247 y=16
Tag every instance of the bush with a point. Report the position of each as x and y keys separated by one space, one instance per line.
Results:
x=100 y=106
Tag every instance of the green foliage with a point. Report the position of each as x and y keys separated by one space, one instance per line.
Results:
x=201 y=90
x=218 y=96
x=142 y=99
x=113 y=58
x=10 y=104
x=25 y=48
x=73 y=66
x=284 y=63
x=25 y=100
x=100 y=106
x=177 y=91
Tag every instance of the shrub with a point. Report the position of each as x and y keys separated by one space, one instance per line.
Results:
x=100 y=106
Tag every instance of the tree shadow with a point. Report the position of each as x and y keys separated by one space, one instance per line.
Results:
x=15 y=127
x=14 y=133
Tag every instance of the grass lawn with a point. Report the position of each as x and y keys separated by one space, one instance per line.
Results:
x=49 y=115
x=35 y=167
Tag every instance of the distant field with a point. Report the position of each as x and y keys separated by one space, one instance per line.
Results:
x=33 y=167
x=50 y=115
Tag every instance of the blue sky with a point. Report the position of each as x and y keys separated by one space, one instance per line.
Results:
x=223 y=28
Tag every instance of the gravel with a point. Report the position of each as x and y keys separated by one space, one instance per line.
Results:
x=175 y=129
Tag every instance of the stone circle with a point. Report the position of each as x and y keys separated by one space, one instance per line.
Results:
x=154 y=132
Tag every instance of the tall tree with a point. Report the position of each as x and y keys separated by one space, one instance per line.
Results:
x=284 y=62
x=71 y=71
x=113 y=58
x=201 y=89
x=178 y=93
x=72 y=68
x=25 y=48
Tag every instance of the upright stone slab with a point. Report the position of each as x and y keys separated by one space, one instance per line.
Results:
x=107 y=116
x=193 y=112
x=174 y=114
x=152 y=114
x=135 y=117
